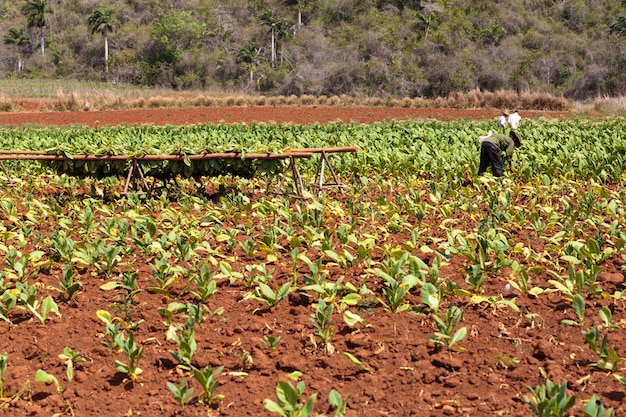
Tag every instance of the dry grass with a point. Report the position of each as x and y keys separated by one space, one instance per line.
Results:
x=102 y=98
x=615 y=106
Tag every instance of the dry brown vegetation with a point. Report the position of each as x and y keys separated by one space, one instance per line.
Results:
x=108 y=100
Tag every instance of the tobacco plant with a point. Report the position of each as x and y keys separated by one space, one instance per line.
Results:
x=185 y=338
x=70 y=358
x=446 y=336
x=67 y=286
x=594 y=408
x=263 y=292
x=204 y=286
x=182 y=392
x=40 y=309
x=207 y=378
x=609 y=359
x=339 y=403
x=7 y=302
x=270 y=342
x=322 y=321
x=550 y=400
x=4 y=360
x=133 y=355
x=290 y=401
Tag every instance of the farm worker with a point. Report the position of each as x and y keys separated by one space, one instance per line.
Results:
x=482 y=138
x=491 y=149
x=514 y=119
x=502 y=121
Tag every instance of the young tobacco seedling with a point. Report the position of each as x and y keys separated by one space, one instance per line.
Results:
x=444 y=336
x=207 y=380
x=594 y=408
x=609 y=359
x=67 y=286
x=4 y=361
x=266 y=294
x=182 y=393
x=186 y=344
x=550 y=400
x=205 y=285
x=270 y=342
x=70 y=358
x=336 y=401
x=322 y=320
x=7 y=302
x=133 y=354
x=289 y=401
x=578 y=304
x=28 y=296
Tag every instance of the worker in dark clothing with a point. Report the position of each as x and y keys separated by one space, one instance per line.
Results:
x=491 y=149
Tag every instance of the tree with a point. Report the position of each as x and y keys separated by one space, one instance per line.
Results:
x=248 y=54
x=104 y=22
x=19 y=38
x=36 y=12
x=279 y=28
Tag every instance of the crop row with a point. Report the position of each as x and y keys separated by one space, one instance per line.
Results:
x=575 y=149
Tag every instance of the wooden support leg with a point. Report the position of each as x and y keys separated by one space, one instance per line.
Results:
x=332 y=171
x=135 y=168
x=129 y=177
x=297 y=179
x=319 y=177
x=9 y=182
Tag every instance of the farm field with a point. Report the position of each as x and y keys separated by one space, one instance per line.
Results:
x=421 y=290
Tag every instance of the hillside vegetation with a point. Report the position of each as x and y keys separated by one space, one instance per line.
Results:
x=371 y=48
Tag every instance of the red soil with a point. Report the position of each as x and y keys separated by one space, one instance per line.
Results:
x=290 y=114
x=406 y=374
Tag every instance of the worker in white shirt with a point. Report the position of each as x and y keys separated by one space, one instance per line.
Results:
x=514 y=119
x=502 y=121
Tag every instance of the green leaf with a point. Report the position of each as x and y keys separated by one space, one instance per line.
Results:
x=287 y=396
x=104 y=316
x=578 y=303
x=43 y=376
x=356 y=361
x=273 y=407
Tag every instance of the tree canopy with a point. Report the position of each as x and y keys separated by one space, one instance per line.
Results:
x=392 y=48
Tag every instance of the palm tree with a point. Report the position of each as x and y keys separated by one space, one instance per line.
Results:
x=19 y=38
x=104 y=22
x=278 y=29
x=248 y=54
x=36 y=12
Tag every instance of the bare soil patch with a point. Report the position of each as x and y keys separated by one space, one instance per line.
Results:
x=267 y=114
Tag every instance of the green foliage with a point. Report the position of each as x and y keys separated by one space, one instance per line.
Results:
x=608 y=357
x=550 y=400
x=182 y=392
x=290 y=401
x=446 y=336
x=322 y=320
x=70 y=358
x=594 y=408
x=207 y=378
x=133 y=355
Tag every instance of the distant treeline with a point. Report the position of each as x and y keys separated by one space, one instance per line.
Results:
x=361 y=48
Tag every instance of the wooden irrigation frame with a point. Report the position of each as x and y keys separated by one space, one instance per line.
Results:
x=135 y=171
